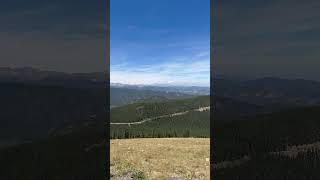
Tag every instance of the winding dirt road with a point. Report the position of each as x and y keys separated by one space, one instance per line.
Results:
x=200 y=109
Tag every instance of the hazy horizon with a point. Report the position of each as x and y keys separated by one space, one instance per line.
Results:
x=159 y=85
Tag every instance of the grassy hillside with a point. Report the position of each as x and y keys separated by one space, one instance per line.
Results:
x=189 y=123
x=164 y=158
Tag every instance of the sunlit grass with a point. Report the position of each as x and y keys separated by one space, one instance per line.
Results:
x=161 y=158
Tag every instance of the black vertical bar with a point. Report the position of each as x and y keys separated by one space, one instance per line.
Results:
x=107 y=164
x=212 y=99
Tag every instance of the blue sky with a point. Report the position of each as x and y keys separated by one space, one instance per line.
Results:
x=59 y=35
x=269 y=38
x=160 y=42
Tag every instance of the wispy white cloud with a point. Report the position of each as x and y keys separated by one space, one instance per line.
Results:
x=194 y=70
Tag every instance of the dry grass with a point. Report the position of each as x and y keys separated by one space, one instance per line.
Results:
x=161 y=158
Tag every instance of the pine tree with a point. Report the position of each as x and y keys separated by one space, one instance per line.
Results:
x=126 y=134
x=186 y=133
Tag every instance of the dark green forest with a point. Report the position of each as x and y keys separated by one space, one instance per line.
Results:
x=33 y=111
x=60 y=132
x=79 y=154
x=257 y=136
x=191 y=124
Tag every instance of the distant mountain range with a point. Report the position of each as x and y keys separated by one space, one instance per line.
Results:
x=259 y=95
x=264 y=92
x=270 y=91
x=33 y=74
x=40 y=77
x=192 y=90
x=121 y=96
